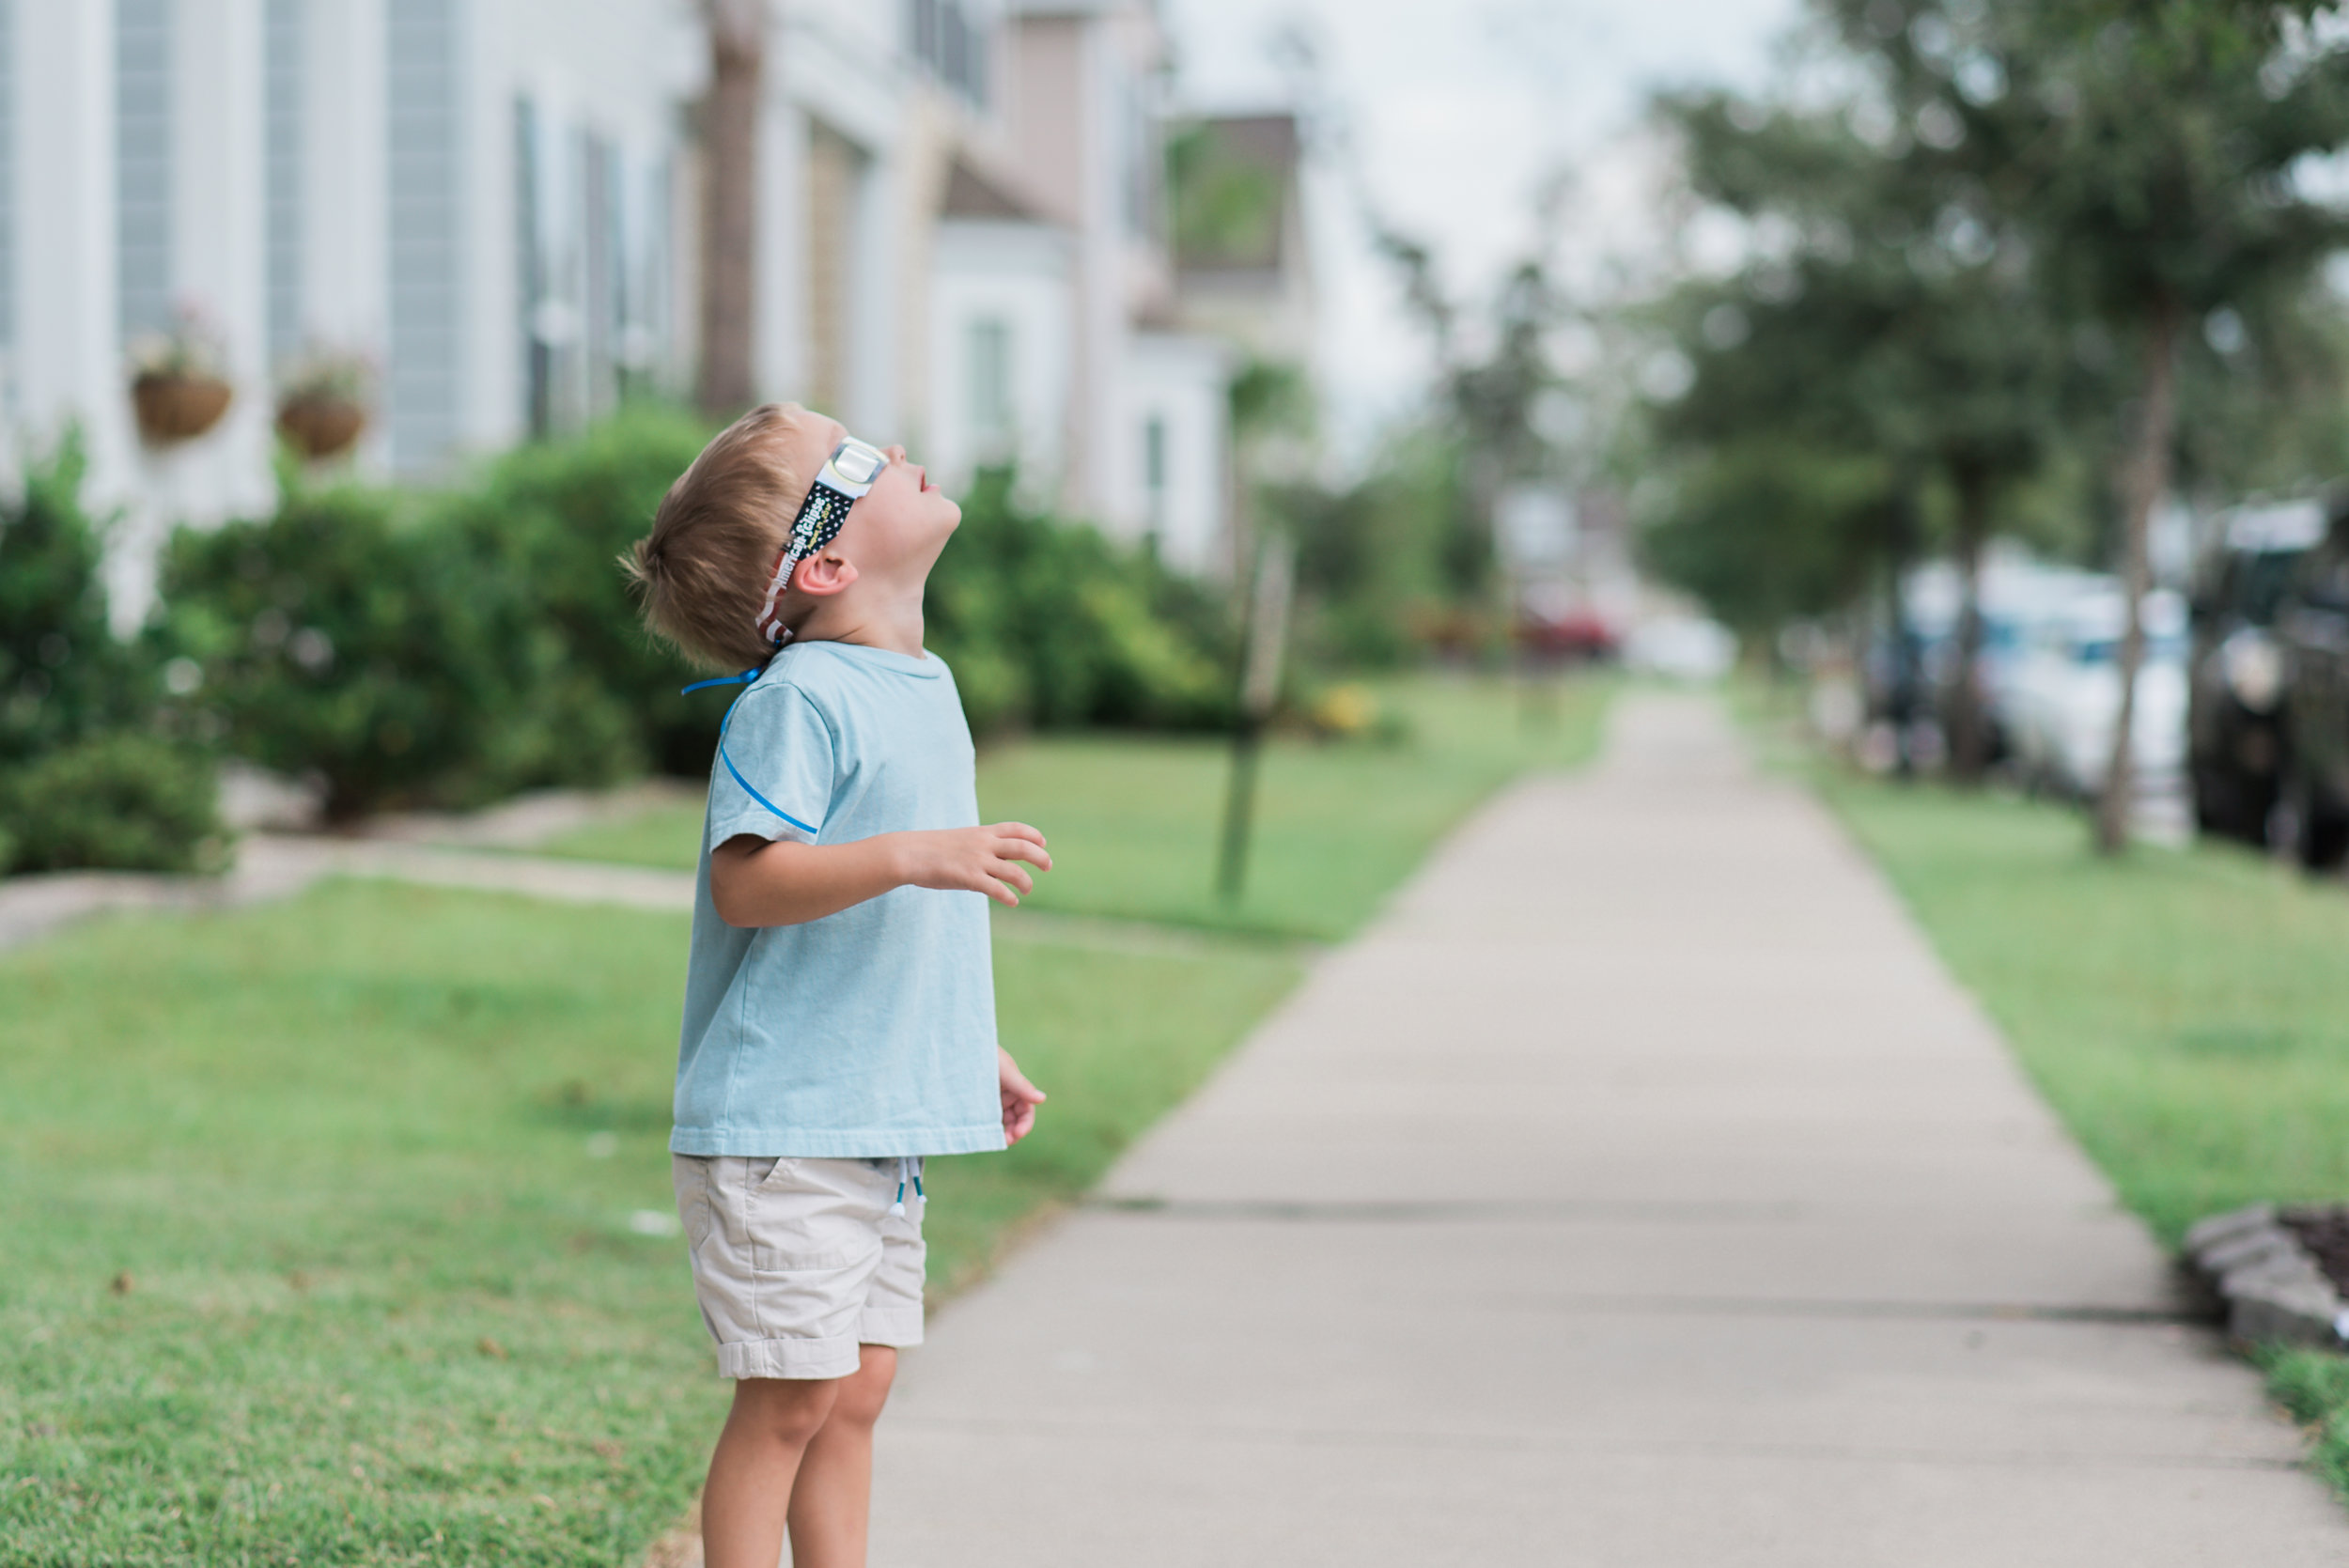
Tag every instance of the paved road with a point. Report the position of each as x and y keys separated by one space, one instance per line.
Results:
x=1638 y=1192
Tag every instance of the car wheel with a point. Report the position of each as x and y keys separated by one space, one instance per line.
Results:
x=2215 y=806
x=2310 y=828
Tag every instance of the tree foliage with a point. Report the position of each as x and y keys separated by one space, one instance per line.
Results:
x=2026 y=230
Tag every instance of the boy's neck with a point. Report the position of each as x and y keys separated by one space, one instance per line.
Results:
x=890 y=621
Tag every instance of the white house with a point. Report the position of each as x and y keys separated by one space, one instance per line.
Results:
x=1003 y=337
x=477 y=197
x=495 y=203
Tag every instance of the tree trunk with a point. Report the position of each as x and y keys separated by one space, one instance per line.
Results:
x=1905 y=677
x=1969 y=734
x=729 y=314
x=2148 y=479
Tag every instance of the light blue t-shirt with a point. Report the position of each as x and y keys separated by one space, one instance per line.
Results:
x=869 y=1033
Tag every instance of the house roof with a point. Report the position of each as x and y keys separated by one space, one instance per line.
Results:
x=1268 y=141
x=973 y=194
x=1233 y=179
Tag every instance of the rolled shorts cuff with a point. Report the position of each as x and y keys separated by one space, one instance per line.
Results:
x=788 y=1359
x=894 y=1326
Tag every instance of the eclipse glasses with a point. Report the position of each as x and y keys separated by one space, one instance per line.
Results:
x=843 y=479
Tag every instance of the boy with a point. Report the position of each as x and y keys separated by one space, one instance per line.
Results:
x=839 y=1007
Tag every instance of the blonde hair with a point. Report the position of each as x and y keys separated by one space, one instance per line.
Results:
x=702 y=573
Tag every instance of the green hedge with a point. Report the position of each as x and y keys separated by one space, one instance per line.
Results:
x=115 y=800
x=452 y=648
x=1050 y=624
x=62 y=675
x=446 y=649
x=95 y=767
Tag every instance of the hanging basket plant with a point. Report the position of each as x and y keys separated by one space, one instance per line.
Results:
x=177 y=388
x=322 y=405
x=177 y=408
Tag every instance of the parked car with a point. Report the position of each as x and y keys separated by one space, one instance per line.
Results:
x=2066 y=694
x=2020 y=598
x=2024 y=603
x=2313 y=804
x=2235 y=687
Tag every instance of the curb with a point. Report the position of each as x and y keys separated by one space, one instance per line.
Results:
x=2271 y=1287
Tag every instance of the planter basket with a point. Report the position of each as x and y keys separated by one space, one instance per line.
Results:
x=320 y=425
x=176 y=408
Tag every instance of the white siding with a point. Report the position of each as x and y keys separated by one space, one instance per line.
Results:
x=142 y=94
x=1175 y=384
x=7 y=206
x=426 y=173
x=1015 y=276
x=282 y=70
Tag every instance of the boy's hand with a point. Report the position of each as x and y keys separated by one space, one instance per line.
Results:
x=978 y=860
x=1021 y=1098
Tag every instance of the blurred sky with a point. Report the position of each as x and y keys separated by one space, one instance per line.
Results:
x=1452 y=115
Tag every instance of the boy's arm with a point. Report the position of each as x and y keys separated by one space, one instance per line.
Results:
x=755 y=881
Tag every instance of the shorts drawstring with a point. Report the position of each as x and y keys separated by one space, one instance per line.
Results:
x=909 y=1169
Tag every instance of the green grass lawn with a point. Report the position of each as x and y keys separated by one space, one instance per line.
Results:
x=2187 y=1012
x=333 y=1231
x=1133 y=821
x=367 y=1167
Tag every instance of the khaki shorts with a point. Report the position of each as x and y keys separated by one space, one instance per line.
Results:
x=797 y=1261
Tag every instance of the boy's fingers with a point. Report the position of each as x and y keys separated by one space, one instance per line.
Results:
x=1023 y=850
x=1018 y=829
x=1016 y=874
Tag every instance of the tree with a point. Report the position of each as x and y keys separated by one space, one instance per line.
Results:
x=1889 y=334
x=729 y=302
x=2149 y=150
x=1486 y=403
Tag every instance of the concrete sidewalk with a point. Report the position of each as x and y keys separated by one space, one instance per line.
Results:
x=1639 y=1191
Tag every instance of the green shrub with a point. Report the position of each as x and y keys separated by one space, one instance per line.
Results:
x=62 y=674
x=1385 y=568
x=448 y=649
x=117 y=801
x=87 y=777
x=1048 y=623
x=338 y=640
x=453 y=648
x=552 y=521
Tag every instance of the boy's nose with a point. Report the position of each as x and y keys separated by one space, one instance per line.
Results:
x=895 y=454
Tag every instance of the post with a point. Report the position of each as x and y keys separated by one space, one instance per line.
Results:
x=1259 y=689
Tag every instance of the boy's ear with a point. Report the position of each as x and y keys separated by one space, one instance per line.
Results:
x=824 y=573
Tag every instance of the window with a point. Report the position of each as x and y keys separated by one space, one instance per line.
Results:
x=974 y=80
x=143 y=166
x=604 y=285
x=1137 y=155
x=954 y=50
x=531 y=272
x=423 y=388
x=991 y=424
x=1154 y=472
x=924 y=27
x=7 y=174
x=949 y=44
x=281 y=114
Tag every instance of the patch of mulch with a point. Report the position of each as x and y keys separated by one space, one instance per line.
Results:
x=2324 y=1233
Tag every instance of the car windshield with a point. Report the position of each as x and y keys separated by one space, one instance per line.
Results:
x=2260 y=581
x=2107 y=650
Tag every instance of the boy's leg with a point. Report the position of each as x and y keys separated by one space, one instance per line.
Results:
x=833 y=1499
x=760 y=1455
